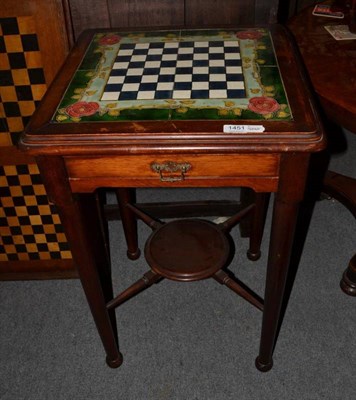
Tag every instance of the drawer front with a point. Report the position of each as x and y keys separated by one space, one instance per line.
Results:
x=177 y=167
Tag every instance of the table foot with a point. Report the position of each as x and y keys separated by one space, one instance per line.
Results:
x=133 y=255
x=348 y=281
x=263 y=367
x=115 y=363
x=253 y=256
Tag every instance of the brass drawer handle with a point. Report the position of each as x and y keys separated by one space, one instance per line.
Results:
x=171 y=167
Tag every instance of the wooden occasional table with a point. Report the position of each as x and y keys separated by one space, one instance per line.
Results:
x=179 y=108
x=332 y=69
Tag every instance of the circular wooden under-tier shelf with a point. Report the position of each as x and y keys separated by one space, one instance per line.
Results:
x=187 y=250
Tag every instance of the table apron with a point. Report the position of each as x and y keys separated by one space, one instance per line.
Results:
x=258 y=171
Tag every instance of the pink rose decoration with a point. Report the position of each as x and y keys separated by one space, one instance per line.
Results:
x=107 y=40
x=82 y=109
x=253 y=35
x=263 y=105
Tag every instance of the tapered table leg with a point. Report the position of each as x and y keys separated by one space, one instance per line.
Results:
x=88 y=249
x=128 y=196
x=284 y=220
x=257 y=225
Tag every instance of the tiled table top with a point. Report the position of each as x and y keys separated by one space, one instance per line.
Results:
x=177 y=75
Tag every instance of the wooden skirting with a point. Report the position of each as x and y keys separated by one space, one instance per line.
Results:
x=37 y=269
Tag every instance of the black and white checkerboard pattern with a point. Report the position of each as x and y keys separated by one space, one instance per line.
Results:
x=176 y=70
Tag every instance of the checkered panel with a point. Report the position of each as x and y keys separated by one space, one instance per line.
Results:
x=22 y=82
x=30 y=228
x=176 y=70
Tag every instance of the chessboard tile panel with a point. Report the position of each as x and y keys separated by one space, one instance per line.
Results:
x=176 y=70
x=30 y=228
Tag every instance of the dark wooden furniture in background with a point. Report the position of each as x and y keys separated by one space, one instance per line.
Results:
x=76 y=158
x=332 y=70
x=87 y=14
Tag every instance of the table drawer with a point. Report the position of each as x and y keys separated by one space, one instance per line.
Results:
x=174 y=167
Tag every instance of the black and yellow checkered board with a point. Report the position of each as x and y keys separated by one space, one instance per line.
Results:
x=22 y=81
x=30 y=228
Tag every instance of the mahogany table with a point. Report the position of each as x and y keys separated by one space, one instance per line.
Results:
x=179 y=108
x=332 y=69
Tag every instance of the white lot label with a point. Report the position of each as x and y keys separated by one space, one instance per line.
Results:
x=243 y=128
